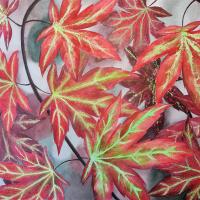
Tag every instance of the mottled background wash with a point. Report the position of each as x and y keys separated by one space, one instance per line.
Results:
x=72 y=172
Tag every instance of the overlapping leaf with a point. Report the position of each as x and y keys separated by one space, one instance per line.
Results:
x=115 y=150
x=10 y=94
x=33 y=179
x=181 y=47
x=176 y=131
x=80 y=101
x=25 y=121
x=66 y=34
x=135 y=23
x=9 y=142
x=185 y=177
x=5 y=10
x=141 y=85
x=180 y=101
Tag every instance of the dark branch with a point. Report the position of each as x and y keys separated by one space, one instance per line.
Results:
x=75 y=151
x=24 y=50
x=183 y=18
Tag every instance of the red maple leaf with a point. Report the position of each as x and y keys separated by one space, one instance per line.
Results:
x=135 y=23
x=176 y=130
x=24 y=122
x=34 y=177
x=5 y=10
x=141 y=84
x=10 y=94
x=80 y=101
x=66 y=34
x=115 y=149
x=9 y=143
x=180 y=46
x=185 y=177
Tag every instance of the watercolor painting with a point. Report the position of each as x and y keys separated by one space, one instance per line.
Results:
x=99 y=99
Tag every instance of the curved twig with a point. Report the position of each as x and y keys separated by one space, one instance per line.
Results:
x=66 y=161
x=41 y=90
x=183 y=18
x=29 y=21
x=28 y=84
x=24 y=51
x=38 y=20
x=14 y=21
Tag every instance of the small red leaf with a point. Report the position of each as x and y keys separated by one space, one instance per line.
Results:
x=134 y=23
x=33 y=178
x=10 y=94
x=5 y=10
x=66 y=34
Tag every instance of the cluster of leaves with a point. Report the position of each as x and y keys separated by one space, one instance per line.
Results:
x=184 y=177
x=119 y=136
x=6 y=9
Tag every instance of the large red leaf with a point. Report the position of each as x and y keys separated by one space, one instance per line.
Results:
x=66 y=34
x=115 y=149
x=135 y=23
x=34 y=177
x=180 y=46
x=185 y=177
x=10 y=94
x=5 y=10
x=80 y=101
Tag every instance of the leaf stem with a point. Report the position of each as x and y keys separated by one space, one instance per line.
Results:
x=38 y=20
x=14 y=22
x=153 y=3
x=66 y=161
x=75 y=151
x=29 y=21
x=28 y=84
x=42 y=90
x=184 y=14
x=23 y=84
